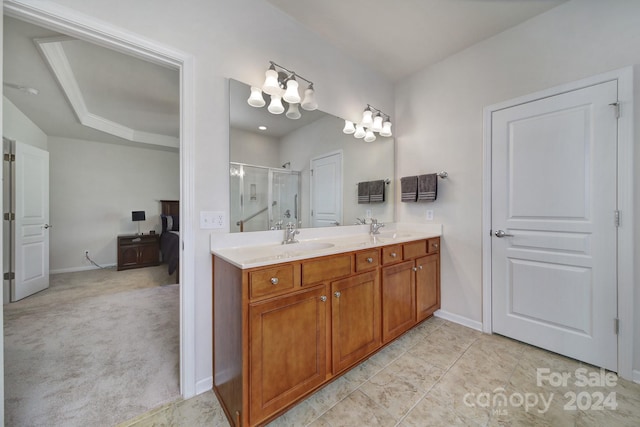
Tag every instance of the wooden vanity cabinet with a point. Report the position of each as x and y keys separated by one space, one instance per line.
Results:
x=288 y=349
x=355 y=314
x=283 y=330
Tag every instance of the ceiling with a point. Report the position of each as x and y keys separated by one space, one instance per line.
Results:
x=93 y=93
x=89 y=92
x=398 y=38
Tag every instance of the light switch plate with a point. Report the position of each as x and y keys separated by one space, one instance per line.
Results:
x=429 y=215
x=212 y=219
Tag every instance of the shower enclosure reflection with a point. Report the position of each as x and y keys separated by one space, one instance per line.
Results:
x=263 y=198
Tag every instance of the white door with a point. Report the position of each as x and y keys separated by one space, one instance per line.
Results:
x=31 y=226
x=326 y=190
x=553 y=204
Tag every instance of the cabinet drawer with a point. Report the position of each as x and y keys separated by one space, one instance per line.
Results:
x=326 y=269
x=272 y=280
x=434 y=245
x=367 y=260
x=391 y=254
x=414 y=249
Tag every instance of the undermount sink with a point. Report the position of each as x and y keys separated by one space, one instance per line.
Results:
x=392 y=235
x=306 y=246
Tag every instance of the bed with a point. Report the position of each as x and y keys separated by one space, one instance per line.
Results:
x=170 y=236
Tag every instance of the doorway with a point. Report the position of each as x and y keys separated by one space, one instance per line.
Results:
x=326 y=190
x=554 y=274
x=94 y=31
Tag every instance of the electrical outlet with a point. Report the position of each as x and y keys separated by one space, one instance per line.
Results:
x=429 y=215
x=212 y=219
x=368 y=213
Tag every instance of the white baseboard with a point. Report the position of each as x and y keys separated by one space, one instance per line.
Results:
x=74 y=269
x=204 y=385
x=455 y=318
x=636 y=376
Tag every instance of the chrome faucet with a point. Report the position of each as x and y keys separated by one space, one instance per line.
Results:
x=374 y=227
x=290 y=234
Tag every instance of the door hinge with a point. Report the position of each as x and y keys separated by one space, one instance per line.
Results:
x=9 y=276
x=616 y=106
x=9 y=216
x=616 y=325
x=616 y=218
x=9 y=157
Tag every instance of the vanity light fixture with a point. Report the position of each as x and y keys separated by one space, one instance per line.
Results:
x=379 y=122
x=281 y=85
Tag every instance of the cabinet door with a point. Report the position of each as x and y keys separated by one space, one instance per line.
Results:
x=288 y=350
x=398 y=299
x=128 y=256
x=355 y=308
x=149 y=254
x=427 y=286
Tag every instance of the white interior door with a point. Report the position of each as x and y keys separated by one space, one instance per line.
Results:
x=326 y=190
x=553 y=204
x=31 y=226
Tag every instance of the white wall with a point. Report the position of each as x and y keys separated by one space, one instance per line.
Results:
x=439 y=120
x=254 y=149
x=19 y=127
x=235 y=39
x=93 y=189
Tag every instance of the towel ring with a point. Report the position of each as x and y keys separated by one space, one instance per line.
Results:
x=443 y=174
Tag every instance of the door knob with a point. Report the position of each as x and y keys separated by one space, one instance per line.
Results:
x=47 y=226
x=501 y=233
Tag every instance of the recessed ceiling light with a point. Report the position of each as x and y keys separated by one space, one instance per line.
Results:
x=262 y=127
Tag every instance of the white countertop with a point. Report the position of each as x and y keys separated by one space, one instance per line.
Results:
x=260 y=248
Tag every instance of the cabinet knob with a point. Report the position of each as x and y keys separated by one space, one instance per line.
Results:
x=393 y=255
x=369 y=260
x=274 y=280
x=323 y=298
x=419 y=267
x=337 y=294
x=435 y=246
x=415 y=269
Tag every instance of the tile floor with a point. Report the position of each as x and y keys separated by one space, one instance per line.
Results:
x=444 y=374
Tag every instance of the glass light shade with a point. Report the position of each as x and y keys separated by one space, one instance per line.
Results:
x=309 y=102
x=360 y=132
x=276 y=107
x=377 y=123
x=367 y=118
x=386 y=129
x=256 y=99
x=291 y=95
x=349 y=128
x=293 y=112
x=369 y=136
x=270 y=85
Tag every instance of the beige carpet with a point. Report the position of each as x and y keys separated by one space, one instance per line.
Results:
x=96 y=348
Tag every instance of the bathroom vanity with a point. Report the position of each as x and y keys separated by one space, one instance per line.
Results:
x=291 y=318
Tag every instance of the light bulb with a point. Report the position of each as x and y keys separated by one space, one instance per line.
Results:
x=377 y=123
x=291 y=95
x=309 y=102
x=256 y=99
x=360 y=132
x=276 y=107
x=349 y=128
x=270 y=85
x=293 y=112
x=370 y=136
x=386 y=128
x=367 y=119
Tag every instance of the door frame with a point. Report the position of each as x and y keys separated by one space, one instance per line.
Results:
x=625 y=245
x=63 y=19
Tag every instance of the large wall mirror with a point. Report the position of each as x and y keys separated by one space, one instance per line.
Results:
x=304 y=171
